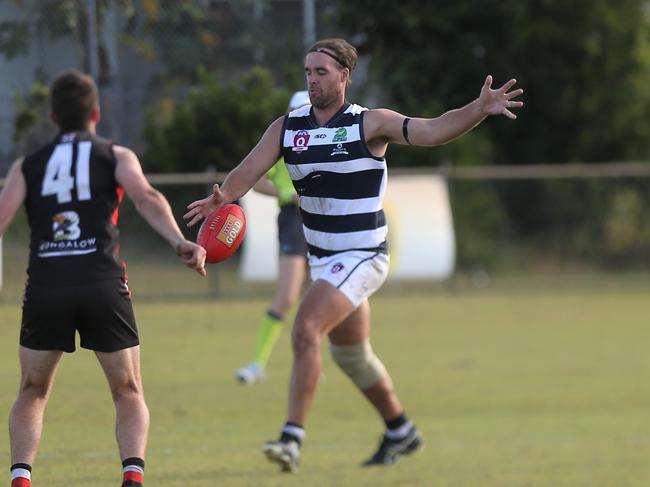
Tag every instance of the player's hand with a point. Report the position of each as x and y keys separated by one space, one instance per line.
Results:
x=200 y=209
x=499 y=101
x=192 y=255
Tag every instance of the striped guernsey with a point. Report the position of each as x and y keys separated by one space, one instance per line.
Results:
x=340 y=183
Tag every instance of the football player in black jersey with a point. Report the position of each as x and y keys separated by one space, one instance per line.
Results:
x=334 y=151
x=71 y=189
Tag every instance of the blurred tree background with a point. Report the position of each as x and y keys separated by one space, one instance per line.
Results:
x=585 y=68
x=214 y=126
x=193 y=83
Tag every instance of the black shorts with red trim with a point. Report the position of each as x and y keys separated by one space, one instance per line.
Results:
x=100 y=311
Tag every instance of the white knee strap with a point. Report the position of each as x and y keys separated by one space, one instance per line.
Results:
x=360 y=363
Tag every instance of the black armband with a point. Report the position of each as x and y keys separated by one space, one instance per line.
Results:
x=405 y=130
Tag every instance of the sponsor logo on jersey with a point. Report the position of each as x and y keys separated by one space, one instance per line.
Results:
x=68 y=137
x=65 y=238
x=320 y=136
x=336 y=268
x=300 y=141
x=341 y=135
x=65 y=226
x=84 y=244
x=339 y=150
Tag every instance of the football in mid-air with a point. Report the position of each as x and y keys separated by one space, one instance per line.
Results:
x=222 y=232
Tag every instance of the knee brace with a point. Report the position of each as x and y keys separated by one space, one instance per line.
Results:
x=359 y=363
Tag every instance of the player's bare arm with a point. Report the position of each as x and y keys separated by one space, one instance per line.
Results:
x=241 y=179
x=386 y=126
x=12 y=195
x=155 y=209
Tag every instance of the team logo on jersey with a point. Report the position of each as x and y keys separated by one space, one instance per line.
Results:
x=336 y=268
x=341 y=135
x=339 y=150
x=300 y=141
x=65 y=226
x=68 y=137
x=65 y=239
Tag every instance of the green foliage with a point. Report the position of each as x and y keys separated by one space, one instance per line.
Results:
x=226 y=37
x=627 y=231
x=32 y=125
x=14 y=39
x=594 y=222
x=54 y=18
x=480 y=224
x=584 y=67
x=215 y=126
x=30 y=109
x=625 y=222
x=184 y=34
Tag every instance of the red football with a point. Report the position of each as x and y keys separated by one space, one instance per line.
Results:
x=222 y=232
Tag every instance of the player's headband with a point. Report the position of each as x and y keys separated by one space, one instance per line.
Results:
x=336 y=58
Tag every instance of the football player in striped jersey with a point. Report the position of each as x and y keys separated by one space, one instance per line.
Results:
x=334 y=152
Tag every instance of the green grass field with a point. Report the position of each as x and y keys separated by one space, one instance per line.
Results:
x=521 y=388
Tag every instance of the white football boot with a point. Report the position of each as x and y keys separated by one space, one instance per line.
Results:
x=284 y=453
x=250 y=373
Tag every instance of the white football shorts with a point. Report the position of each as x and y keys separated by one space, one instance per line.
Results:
x=356 y=273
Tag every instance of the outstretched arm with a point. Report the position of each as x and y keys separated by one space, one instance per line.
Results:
x=386 y=126
x=155 y=209
x=12 y=195
x=241 y=179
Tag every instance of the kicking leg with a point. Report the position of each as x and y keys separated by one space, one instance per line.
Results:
x=351 y=350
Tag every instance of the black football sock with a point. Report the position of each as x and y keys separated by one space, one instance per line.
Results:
x=397 y=428
x=133 y=471
x=292 y=432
